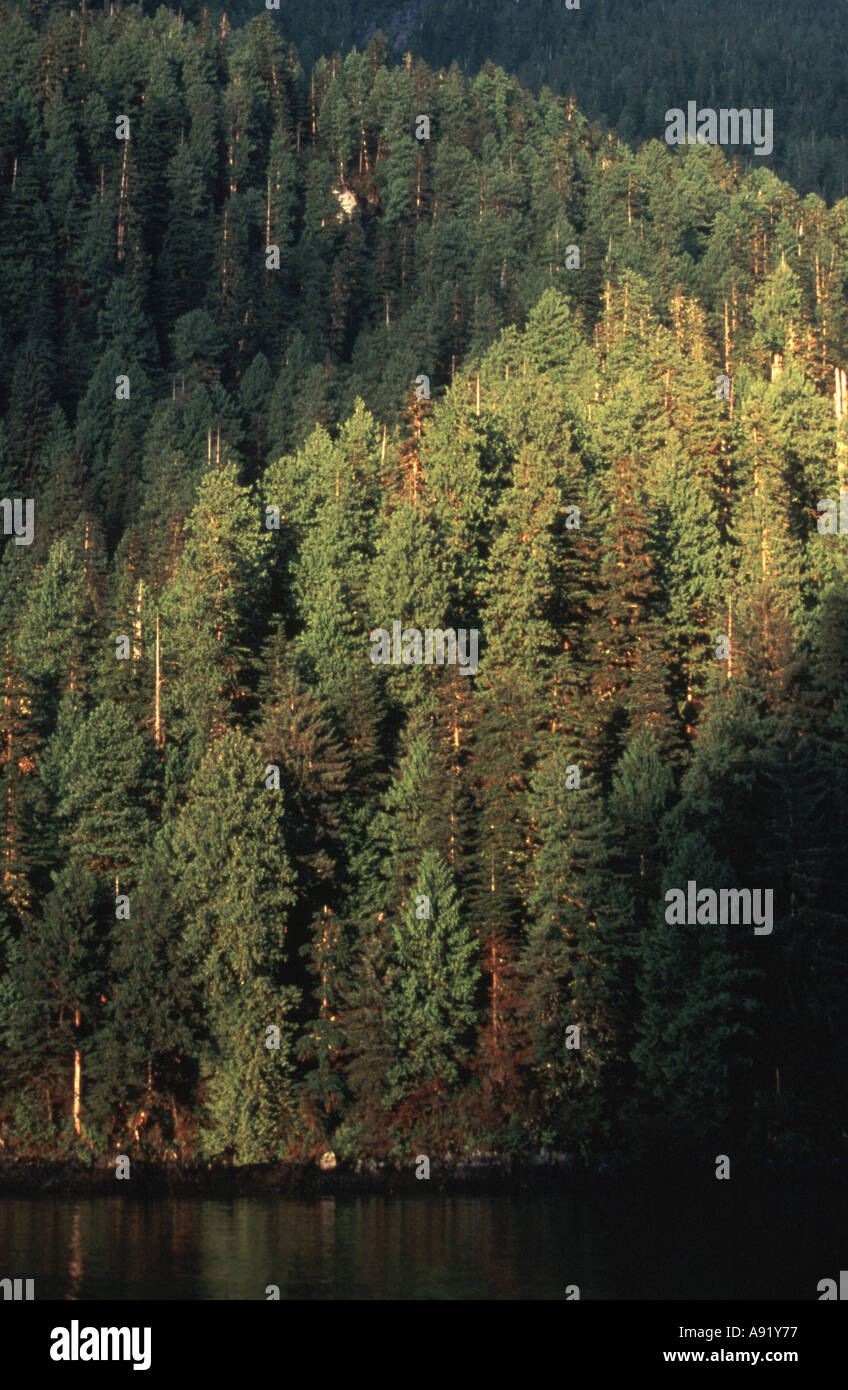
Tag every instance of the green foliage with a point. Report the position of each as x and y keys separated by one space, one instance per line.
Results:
x=571 y=488
x=433 y=981
x=235 y=887
x=99 y=782
x=695 y=1042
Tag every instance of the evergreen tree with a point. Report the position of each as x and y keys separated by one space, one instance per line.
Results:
x=152 y=1036
x=236 y=887
x=696 y=1038
x=100 y=785
x=434 y=980
x=209 y=609
x=59 y=972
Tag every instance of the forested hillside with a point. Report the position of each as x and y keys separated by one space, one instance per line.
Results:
x=263 y=897
x=626 y=61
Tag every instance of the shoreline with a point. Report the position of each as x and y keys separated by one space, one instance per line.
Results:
x=558 y=1173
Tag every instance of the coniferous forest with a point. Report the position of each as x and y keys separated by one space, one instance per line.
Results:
x=293 y=350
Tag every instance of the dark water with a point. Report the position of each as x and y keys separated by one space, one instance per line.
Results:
x=613 y=1245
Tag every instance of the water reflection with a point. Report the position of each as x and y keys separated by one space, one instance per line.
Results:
x=613 y=1245
x=75 y=1261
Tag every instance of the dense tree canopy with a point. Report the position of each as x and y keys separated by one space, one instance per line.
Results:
x=280 y=370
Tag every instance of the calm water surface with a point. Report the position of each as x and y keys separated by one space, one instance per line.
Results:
x=613 y=1245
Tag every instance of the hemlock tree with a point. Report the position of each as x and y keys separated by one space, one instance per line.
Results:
x=642 y=789
x=410 y=820
x=369 y=1029
x=696 y=1037
x=60 y=973
x=571 y=956
x=236 y=888
x=209 y=609
x=101 y=782
x=153 y=1031
x=435 y=975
